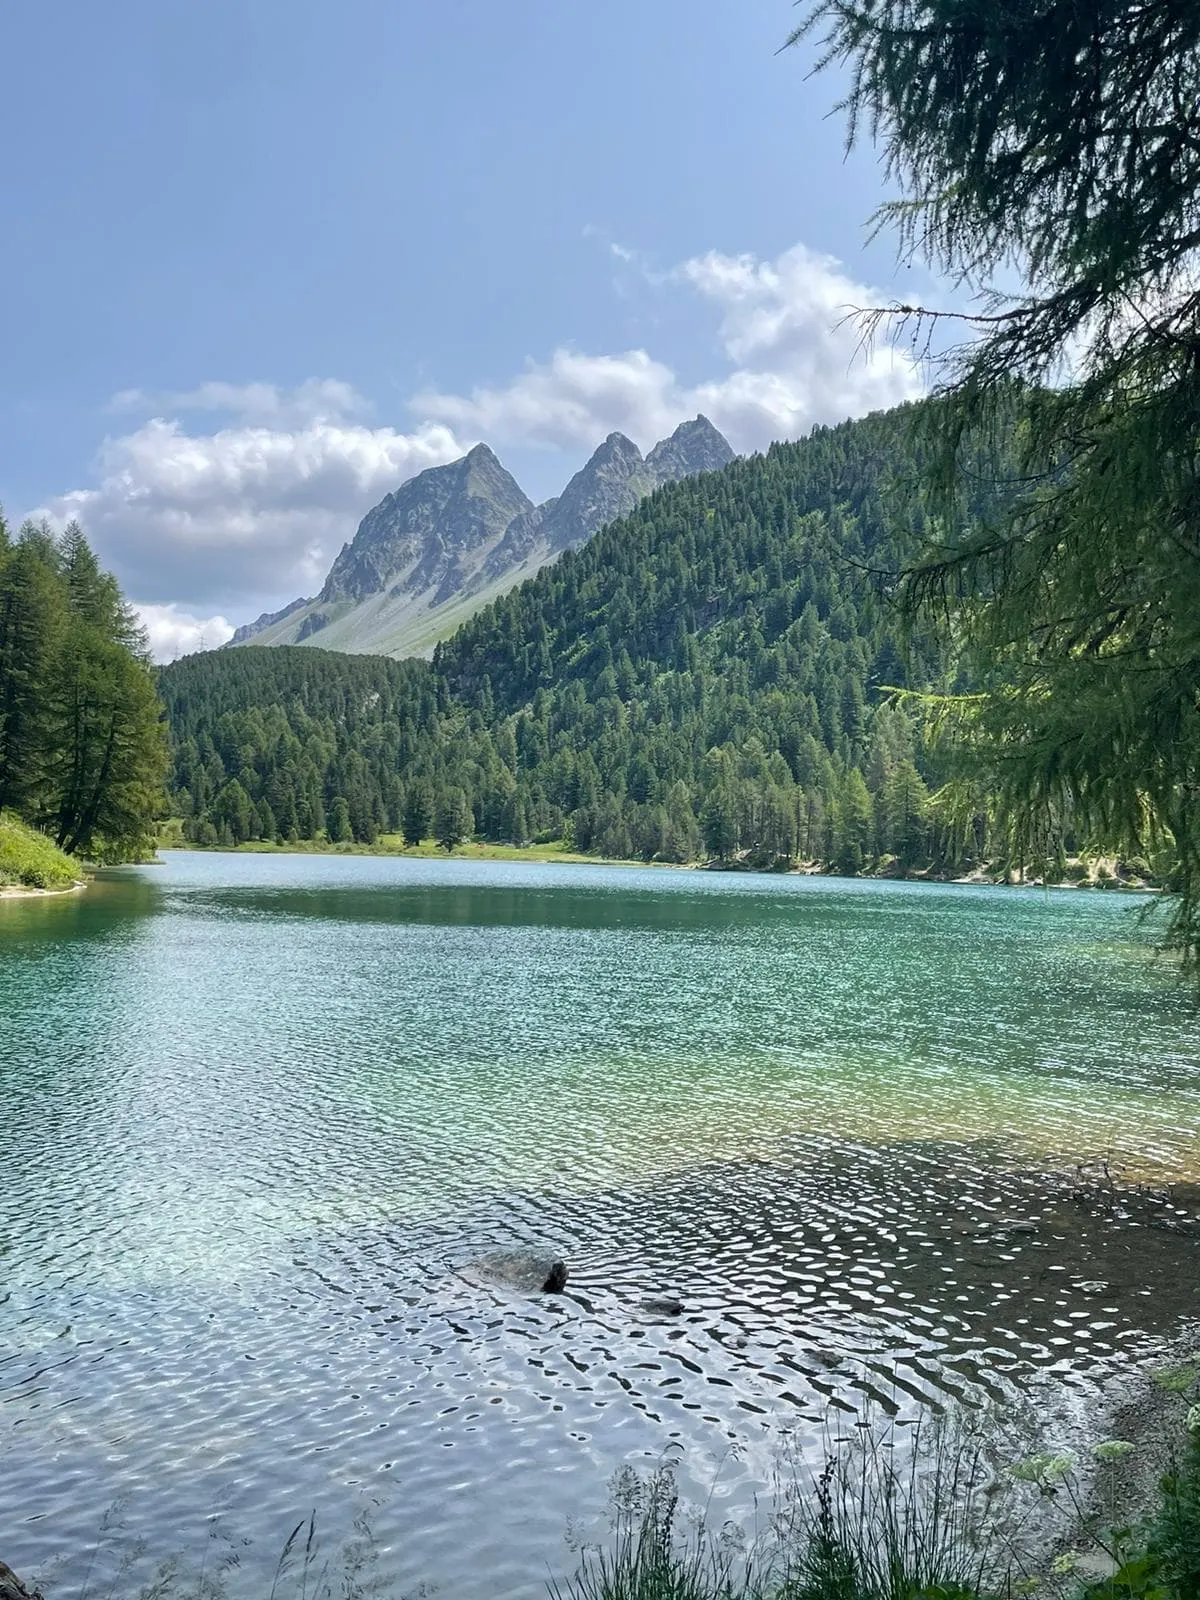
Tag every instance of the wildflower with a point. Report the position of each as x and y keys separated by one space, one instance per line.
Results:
x=1065 y=1564
x=1044 y=1469
x=1113 y=1449
x=1176 y=1380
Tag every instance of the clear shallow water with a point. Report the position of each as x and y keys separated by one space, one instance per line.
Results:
x=259 y=1110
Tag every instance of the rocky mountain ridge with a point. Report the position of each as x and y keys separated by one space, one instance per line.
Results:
x=455 y=537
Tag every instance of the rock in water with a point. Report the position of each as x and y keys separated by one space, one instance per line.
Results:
x=523 y=1271
x=11 y=1587
x=663 y=1305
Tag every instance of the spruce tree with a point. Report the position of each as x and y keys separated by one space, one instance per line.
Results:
x=453 y=822
x=417 y=819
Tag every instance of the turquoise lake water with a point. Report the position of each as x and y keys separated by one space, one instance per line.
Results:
x=261 y=1110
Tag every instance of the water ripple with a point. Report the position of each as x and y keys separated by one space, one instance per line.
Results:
x=266 y=1110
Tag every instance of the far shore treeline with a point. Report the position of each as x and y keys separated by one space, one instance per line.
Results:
x=722 y=674
x=83 y=746
x=709 y=676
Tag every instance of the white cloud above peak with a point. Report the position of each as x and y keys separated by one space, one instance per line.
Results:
x=220 y=518
x=792 y=349
x=229 y=498
x=570 y=400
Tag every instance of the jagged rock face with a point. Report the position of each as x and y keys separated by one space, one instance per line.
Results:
x=426 y=527
x=695 y=446
x=456 y=536
x=611 y=484
x=607 y=486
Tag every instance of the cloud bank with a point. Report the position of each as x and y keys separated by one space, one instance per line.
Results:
x=199 y=521
x=785 y=330
x=173 y=633
x=215 y=518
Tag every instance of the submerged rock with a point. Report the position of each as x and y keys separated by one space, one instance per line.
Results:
x=663 y=1305
x=524 y=1271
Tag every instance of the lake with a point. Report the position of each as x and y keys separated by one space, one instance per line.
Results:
x=260 y=1110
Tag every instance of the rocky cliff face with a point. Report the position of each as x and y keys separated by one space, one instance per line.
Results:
x=695 y=446
x=429 y=530
x=267 y=620
x=454 y=537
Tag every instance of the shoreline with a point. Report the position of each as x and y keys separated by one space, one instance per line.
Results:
x=21 y=891
x=1123 y=1492
x=544 y=855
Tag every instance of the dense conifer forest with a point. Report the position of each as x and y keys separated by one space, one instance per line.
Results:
x=706 y=678
x=83 y=750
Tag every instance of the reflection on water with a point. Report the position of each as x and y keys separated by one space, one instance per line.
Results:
x=262 y=1108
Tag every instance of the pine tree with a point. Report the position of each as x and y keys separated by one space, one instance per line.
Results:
x=417 y=818
x=853 y=826
x=340 y=831
x=454 y=821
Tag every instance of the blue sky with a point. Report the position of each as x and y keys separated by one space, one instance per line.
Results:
x=263 y=261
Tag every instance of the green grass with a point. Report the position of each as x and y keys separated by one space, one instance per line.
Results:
x=29 y=860
x=866 y=1530
x=871 y=1529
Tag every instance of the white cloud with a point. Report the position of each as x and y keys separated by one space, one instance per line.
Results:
x=570 y=400
x=243 y=505
x=173 y=633
x=789 y=340
x=218 y=518
x=264 y=404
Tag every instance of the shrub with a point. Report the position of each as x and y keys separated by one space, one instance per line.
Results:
x=30 y=859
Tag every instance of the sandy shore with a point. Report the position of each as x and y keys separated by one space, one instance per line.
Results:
x=18 y=891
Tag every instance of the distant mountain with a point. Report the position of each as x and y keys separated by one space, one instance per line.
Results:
x=455 y=537
x=268 y=619
x=709 y=676
x=430 y=533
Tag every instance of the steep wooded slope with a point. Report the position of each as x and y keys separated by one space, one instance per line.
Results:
x=703 y=675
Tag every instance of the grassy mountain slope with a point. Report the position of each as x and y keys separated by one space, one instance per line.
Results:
x=456 y=537
x=703 y=677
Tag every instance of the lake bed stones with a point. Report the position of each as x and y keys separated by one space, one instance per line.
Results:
x=11 y=1587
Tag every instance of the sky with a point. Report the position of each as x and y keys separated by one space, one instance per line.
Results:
x=263 y=261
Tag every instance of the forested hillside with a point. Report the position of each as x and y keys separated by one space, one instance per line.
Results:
x=83 y=753
x=703 y=678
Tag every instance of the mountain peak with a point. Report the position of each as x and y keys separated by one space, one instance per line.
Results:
x=617 y=447
x=465 y=529
x=427 y=525
x=695 y=446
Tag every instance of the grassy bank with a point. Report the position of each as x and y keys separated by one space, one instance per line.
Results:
x=28 y=859
x=872 y=1530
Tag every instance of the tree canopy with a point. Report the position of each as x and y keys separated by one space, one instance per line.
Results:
x=1060 y=143
x=705 y=677
x=83 y=751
